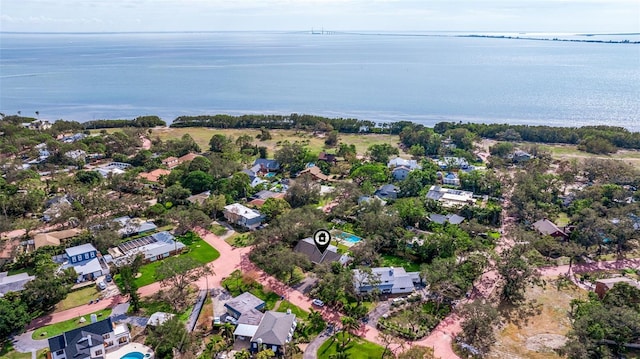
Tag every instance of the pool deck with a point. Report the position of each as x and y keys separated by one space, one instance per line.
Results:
x=343 y=241
x=129 y=348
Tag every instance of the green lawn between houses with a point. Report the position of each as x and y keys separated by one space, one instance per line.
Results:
x=199 y=250
x=52 y=330
x=394 y=261
x=358 y=348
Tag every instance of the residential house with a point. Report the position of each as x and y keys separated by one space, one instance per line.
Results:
x=76 y=155
x=387 y=192
x=450 y=179
x=253 y=174
x=274 y=332
x=244 y=303
x=73 y=138
x=40 y=125
x=368 y=199
x=454 y=162
x=154 y=176
x=267 y=165
x=604 y=285
x=188 y=157
x=400 y=173
x=171 y=162
x=387 y=280
x=133 y=226
x=521 y=156
x=199 y=198
x=308 y=247
x=243 y=216
x=259 y=198
x=55 y=206
x=90 y=341
x=159 y=318
x=401 y=162
x=85 y=260
x=449 y=218
x=13 y=283
x=548 y=228
x=54 y=238
x=450 y=197
x=328 y=158
x=152 y=248
x=315 y=172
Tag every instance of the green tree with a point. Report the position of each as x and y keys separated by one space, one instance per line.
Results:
x=381 y=152
x=219 y=143
x=13 y=318
x=198 y=182
x=265 y=354
x=273 y=207
x=477 y=327
x=175 y=194
x=129 y=286
x=292 y=157
x=304 y=191
x=188 y=219
x=517 y=273
x=167 y=336
x=375 y=173
x=332 y=139
x=177 y=273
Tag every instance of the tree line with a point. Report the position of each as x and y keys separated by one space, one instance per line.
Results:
x=293 y=121
x=140 y=121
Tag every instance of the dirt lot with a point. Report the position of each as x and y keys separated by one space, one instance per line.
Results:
x=537 y=335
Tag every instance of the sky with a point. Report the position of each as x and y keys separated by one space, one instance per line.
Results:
x=561 y=16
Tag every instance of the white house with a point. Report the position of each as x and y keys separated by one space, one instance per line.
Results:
x=398 y=162
x=243 y=216
x=450 y=197
x=85 y=260
x=388 y=280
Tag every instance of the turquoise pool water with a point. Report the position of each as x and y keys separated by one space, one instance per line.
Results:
x=133 y=355
x=348 y=237
x=270 y=174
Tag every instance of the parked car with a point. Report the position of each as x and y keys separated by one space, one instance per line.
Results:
x=108 y=278
x=216 y=321
x=317 y=303
x=230 y=319
x=102 y=285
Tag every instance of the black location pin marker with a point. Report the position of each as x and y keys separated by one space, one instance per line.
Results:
x=322 y=239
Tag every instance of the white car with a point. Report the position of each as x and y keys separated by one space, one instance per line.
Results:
x=102 y=285
x=317 y=303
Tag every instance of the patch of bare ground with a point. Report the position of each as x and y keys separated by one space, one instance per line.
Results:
x=539 y=326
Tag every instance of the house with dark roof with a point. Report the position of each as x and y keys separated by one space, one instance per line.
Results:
x=548 y=228
x=307 y=247
x=13 y=283
x=90 y=341
x=400 y=173
x=274 y=332
x=328 y=158
x=449 y=218
x=450 y=179
x=387 y=192
x=387 y=280
x=244 y=303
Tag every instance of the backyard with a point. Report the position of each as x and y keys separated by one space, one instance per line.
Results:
x=237 y=283
x=197 y=249
x=78 y=298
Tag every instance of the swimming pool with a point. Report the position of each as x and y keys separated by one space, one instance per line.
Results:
x=133 y=355
x=270 y=174
x=352 y=238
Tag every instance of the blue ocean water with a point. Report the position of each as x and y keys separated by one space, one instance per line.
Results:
x=376 y=77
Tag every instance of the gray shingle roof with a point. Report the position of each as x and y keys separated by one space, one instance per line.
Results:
x=244 y=303
x=307 y=247
x=275 y=328
x=65 y=340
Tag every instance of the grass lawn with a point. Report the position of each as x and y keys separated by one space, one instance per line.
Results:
x=315 y=144
x=59 y=328
x=199 y=250
x=299 y=312
x=218 y=230
x=562 y=219
x=240 y=240
x=395 y=261
x=358 y=348
x=78 y=298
